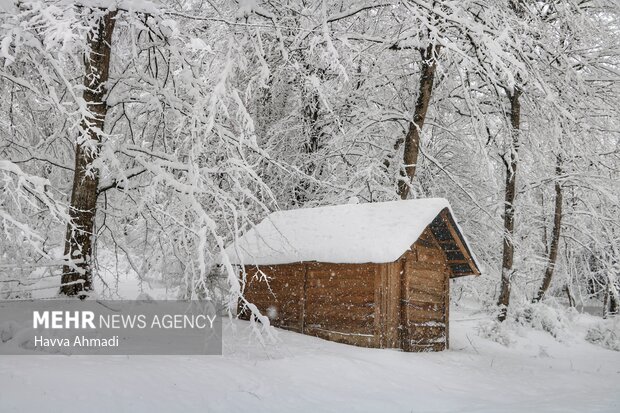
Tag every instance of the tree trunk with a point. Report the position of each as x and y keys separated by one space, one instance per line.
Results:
x=77 y=277
x=606 y=303
x=412 y=140
x=555 y=240
x=610 y=305
x=313 y=128
x=509 y=224
x=613 y=304
x=569 y=294
x=313 y=143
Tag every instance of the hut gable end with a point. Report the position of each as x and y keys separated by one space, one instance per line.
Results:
x=458 y=256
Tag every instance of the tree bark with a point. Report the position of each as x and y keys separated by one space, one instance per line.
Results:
x=569 y=294
x=606 y=303
x=555 y=240
x=412 y=139
x=613 y=304
x=509 y=212
x=610 y=305
x=313 y=143
x=77 y=276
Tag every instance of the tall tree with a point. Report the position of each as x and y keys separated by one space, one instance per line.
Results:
x=510 y=161
x=77 y=275
x=412 y=139
x=555 y=235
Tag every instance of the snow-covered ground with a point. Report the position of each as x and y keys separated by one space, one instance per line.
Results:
x=535 y=373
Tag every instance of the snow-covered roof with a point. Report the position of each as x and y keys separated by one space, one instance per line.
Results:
x=353 y=233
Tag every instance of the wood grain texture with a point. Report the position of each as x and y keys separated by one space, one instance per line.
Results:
x=424 y=299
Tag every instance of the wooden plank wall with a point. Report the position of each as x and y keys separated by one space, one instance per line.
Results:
x=341 y=303
x=403 y=304
x=336 y=302
x=425 y=297
x=278 y=292
x=389 y=293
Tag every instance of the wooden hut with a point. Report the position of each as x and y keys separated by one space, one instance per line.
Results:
x=372 y=275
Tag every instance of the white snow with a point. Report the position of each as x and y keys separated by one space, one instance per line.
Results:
x=353 y=233
x=305 y=374
x=533 y=372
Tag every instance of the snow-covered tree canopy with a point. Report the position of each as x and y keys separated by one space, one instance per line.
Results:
x=197 y=119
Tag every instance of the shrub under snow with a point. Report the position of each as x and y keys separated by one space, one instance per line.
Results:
x=495 y=331
x=544 y=316
x=605 y=333
x=552 y=319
